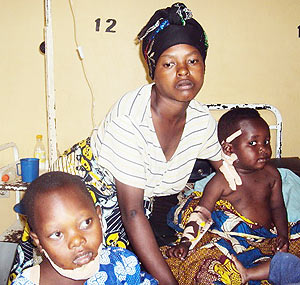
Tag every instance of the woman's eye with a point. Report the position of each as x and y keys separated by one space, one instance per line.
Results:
x=169 y=64
x=267 y=141
x=193 y=61
x=56 y=235
x=85 y=224
x=253 y=143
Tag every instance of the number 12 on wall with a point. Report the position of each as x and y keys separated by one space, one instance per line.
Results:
x=109 y=25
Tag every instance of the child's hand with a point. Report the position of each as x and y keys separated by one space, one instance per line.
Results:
x=180 y=250
x=282 y=244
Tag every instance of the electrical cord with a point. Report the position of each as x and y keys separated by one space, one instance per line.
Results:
x=81 y=57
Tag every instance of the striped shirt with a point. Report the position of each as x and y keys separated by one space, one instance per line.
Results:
x=126 y=145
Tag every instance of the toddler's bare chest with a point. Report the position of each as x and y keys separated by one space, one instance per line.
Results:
x=251 y=193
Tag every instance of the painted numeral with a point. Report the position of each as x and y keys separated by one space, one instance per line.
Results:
x=111 y=23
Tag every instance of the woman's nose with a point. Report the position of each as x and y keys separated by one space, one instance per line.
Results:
x=182 y=70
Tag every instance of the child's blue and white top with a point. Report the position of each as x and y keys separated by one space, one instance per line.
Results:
x=117 y=266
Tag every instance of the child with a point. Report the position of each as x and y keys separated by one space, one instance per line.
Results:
x=282 y=269
x=66 y=227
x=245 y=138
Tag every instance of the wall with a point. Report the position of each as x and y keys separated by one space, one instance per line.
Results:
x=253 y=58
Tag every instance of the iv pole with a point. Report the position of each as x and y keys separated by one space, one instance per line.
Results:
x=49 y=72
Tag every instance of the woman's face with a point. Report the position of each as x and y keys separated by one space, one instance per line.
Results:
x=179 y=73
x=69 y=228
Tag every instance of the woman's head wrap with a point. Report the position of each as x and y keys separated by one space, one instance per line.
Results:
x=168 y=27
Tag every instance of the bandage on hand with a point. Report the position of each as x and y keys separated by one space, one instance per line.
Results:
x=198 y=223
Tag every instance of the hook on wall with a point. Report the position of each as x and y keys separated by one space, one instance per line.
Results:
x=42 y=47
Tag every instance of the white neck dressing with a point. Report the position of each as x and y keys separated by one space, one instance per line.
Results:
x=83 y=272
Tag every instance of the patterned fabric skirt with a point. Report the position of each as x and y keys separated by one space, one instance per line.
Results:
x=209 y=262
x=80 y=161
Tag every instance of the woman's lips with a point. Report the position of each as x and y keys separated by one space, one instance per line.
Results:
x=184 y=85
x=83 y=258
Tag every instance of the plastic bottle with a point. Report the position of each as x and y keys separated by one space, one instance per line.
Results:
x=8 y=174
x=40 y=153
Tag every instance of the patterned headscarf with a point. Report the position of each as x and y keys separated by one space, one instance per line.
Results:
x=168 y=27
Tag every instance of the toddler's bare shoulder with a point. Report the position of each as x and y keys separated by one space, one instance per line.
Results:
x=218 y=178
x=218 y=182
x=272 y=172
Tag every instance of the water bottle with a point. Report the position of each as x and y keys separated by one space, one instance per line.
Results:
x=8 y=174
x=40 y=153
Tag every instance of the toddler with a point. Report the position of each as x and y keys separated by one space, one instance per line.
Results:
x=245 y=140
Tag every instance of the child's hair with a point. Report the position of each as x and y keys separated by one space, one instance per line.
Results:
x=46 y=183
x=229 y=122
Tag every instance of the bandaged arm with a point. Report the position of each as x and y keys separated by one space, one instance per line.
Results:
x=198 y=223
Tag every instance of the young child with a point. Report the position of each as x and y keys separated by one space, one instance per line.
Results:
x=245 y=138
x=284 y=268
x=66 y=227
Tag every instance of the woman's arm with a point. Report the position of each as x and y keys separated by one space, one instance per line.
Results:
x=140 y=233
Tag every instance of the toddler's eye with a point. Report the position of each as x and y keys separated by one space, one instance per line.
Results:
x=85 y=224
x=56 y=235
x=252 y=143
x=267 y=141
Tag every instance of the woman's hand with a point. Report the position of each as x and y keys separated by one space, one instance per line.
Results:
x=180 y=250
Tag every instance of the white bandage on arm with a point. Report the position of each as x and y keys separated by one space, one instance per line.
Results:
x=198 y=224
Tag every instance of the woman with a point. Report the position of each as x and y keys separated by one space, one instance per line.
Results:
x=151 y=137
x=147 y=145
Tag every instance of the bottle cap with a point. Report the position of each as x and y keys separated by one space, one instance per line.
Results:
x=39 y=137
x=5 y=178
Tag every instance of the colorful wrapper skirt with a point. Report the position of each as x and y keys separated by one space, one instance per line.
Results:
x=210 y=261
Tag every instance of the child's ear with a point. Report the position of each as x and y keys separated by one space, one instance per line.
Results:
x=227 y=148
x=36 y=240
x=99 y=213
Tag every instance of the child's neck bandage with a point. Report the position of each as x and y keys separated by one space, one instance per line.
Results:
x=227 y=167
x=83 y=272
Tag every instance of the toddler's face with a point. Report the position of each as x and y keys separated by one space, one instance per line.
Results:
x=252 y=147
x=69 y=228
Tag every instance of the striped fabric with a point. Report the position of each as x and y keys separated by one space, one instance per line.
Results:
x=127 y=146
